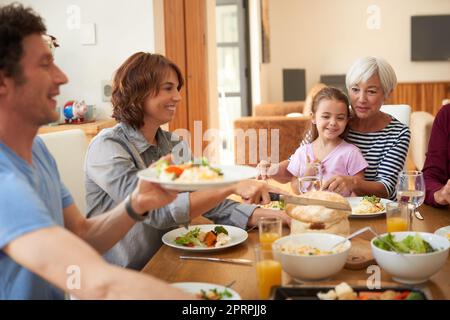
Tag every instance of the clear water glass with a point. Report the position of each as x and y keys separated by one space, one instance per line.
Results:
x=411 y=187
x=312 y=178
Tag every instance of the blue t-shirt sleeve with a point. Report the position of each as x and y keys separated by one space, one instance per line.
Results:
x=21 y=211
x=66 y=197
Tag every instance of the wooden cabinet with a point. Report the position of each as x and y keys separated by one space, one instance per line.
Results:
x=421 y=96
x=90 y=128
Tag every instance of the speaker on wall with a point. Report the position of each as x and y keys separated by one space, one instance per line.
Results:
x=294 y=85
x=334 y=80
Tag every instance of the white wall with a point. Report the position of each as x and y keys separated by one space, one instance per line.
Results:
x=122 y=28
x=326 y=36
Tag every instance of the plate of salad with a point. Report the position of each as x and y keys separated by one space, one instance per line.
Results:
x=208 y=291
x=367 y=206
x=195 y=175
x=205 y=237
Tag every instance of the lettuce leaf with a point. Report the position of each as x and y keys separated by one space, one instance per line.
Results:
x=410 y=244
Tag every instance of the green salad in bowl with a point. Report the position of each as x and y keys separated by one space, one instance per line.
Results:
x=410 y=257
x=410 y=244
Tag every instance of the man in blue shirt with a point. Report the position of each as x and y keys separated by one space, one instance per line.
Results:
x=46 y=246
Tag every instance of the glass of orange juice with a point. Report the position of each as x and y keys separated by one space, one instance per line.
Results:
x=269 y=230
x=398 y=216
x=268 y=271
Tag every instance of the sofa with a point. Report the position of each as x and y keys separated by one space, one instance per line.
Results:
x=278 y=109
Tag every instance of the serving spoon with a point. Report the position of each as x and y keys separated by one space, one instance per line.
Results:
x=354 y=234
x=358 y=232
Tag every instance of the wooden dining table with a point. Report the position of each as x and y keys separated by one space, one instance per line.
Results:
x=167 y=265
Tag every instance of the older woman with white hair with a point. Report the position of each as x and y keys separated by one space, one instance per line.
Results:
x=382 y=139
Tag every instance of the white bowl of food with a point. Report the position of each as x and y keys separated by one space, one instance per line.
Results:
x=416 y=262
x=311 y=256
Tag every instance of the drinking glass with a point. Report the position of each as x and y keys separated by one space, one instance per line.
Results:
x=268 y=271
x=311 y=179
x=398 y=216
x=411 y=188
x=270 y=229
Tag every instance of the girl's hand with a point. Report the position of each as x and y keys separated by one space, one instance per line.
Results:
x=263 y=167
x=339 y=184
x=313 y=167
x=267 y=169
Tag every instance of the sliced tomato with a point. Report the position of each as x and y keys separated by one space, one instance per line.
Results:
x=175 y=169
x=402 y=295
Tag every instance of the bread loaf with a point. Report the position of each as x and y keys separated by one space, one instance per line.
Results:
x=319 y=218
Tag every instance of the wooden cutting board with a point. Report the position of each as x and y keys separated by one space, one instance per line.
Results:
x=360 y=255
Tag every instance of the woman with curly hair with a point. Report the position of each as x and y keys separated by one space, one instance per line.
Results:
x=146 y=91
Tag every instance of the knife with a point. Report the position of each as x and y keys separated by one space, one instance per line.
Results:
x=228 y=260
x=309 y=202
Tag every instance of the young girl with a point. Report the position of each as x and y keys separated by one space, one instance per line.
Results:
x=330 y=116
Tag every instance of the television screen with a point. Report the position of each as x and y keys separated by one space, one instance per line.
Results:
x=430 y=38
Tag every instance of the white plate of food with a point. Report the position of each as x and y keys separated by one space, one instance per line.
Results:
x=367 y=206
x=195 y=176
x=200 y=237
x=208 y=291
x=444 y=231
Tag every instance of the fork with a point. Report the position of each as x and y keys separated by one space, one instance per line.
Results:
x=230 y=284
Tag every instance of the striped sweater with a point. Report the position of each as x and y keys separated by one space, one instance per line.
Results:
x=385 y=151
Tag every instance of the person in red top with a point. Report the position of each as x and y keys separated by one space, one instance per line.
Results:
x=436 y=170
